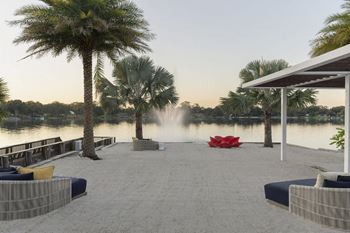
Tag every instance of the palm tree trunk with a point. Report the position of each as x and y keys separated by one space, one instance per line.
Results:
x=139 y=134
x=88 y=141
x=268 y=130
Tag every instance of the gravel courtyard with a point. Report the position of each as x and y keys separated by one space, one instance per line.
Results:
x=188 y=188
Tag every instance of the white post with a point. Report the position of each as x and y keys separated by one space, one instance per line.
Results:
x=283 y=123
x=347 y=125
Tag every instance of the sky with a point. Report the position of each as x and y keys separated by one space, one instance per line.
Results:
x=203 y=43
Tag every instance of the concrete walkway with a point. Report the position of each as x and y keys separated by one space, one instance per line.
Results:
x=188 y=188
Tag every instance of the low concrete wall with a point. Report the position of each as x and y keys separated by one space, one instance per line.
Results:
x=144 y=144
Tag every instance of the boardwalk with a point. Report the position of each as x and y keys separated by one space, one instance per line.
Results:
x=188 y=188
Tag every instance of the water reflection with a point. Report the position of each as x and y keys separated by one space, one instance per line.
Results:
x=304 y=132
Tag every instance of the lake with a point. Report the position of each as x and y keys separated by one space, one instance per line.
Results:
x=313 y=135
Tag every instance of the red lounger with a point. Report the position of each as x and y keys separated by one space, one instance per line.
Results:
x=224 y=142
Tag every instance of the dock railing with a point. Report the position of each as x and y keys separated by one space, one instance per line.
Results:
x=26 y=154
x=28 y=145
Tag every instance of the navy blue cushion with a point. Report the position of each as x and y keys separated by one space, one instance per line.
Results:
x=10 y=169
x=28 y=176
x=78 y=185
x=335 y=184
x=343 y=178
x=8 y=173
x=279 y=191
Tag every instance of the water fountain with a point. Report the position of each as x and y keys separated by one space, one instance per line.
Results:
x=171 y=124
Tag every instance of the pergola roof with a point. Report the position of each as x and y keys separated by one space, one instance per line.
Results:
x=325 y=71
x=330 y=70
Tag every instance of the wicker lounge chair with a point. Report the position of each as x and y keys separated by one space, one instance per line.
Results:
x=327 y=206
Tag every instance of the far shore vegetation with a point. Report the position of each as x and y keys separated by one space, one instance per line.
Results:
x=18 y=110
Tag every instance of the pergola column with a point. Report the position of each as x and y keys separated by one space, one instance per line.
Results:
x=347 y=124
x=283 y=123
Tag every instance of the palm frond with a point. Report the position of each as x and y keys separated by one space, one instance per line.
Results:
x=237 y=103
x=111 y=28
x=142 y=85
x=241 y=101
x=298 y=99
x=335 y=33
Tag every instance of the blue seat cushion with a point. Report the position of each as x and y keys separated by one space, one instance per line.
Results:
x=28 y=176
x=336 y=184
x=78 y=186
x=8 y=173
x=279 y=191
x=343 y=178
x=10 y=169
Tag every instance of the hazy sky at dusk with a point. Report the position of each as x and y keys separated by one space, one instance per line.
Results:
x=203 y=43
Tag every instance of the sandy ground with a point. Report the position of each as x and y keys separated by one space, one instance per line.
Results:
x=188 y=188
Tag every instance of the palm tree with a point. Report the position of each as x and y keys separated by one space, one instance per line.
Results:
x=269 y=100
x=4 y=94
x=335 y=34
x=84 y=28
x=139 y=84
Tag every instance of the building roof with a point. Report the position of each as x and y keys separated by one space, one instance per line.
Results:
x=325 y=71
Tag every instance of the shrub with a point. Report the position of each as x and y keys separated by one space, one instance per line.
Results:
x=338 y=139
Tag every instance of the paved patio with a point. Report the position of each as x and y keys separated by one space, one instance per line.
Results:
x=188 y=188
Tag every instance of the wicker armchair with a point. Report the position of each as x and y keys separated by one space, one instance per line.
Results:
x=326 y=206
x=27 y=199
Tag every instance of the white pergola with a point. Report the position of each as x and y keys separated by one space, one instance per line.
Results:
x=330 y=70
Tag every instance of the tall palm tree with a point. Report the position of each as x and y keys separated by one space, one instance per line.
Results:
x=4 y=94
x=84 y=28
x=335 y=34
x=140 y=84
x=243 y=100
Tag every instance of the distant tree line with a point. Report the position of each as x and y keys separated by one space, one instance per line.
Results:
x=195 y=112
x=309 y=111
x=18 y=108
x=317 y=110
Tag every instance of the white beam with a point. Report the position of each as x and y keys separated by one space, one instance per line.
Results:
x=283 y=124
x=347 y=125
x=325 y=73
x=294 y=87
x=317 y=81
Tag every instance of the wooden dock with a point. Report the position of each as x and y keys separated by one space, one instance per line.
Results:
x=29 y=153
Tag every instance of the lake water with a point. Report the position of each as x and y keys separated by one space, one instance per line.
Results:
x=303 y=134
